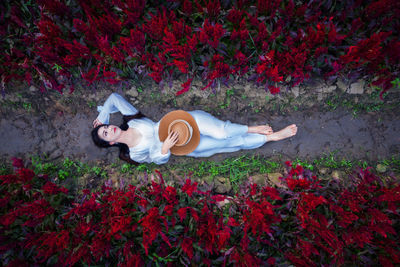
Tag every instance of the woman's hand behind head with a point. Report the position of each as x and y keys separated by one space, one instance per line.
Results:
x=96 y=123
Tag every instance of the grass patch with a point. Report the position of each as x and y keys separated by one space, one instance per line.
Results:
x=66 y=169
x=393 y=163
x=369 y=103
x=237 y=169
x=333 y=161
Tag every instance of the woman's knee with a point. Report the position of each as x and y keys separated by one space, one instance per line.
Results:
x=221 y=133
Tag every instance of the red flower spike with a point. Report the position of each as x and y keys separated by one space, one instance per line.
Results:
x=218 y=198
x=274 y=90
x=268 y=8
x=181 y=65
x=25 y=175
x=223 y=237
x=15 y=17
x=235 y=16
x=170 y=195
x=151 y=224
x=91 y=76
x=187 y=7
x=165 y=238
x=271 y=192
x=187 y=247
x=52 y=189
x=213 y=8
x=194 y=214
x=271 y=261
x=211 y=34
x=254 y=189
x=134 y=42
x=232 y=222
x=182 y=213
x=156 y=25
x=185 y=86
x=189 y=188
x=160 y=176
x=288 y=163
x=17 y=162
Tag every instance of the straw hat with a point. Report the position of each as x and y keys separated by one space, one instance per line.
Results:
x=182 y=122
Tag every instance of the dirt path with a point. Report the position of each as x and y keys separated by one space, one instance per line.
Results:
x=64 y=131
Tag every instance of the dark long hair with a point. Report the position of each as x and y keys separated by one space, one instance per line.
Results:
x=123 y=148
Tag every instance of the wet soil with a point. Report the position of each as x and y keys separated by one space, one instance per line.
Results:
x=58 y=126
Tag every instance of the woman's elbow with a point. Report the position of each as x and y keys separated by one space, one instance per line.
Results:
x=114 y=96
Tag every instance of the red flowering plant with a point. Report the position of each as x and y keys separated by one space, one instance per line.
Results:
x=15 y=63
x=28 y=203
x=275 y=44
x=336 y=222
x=309 y=223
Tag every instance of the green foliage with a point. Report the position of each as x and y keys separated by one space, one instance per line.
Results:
x=57 y=67
x=63 y=174
x=91 y=104
x=4 y=168
x=229 y=93
x=98 y=171
x=68 y=168
x=131 y=169
x=39 y=166
x=396 y=83
x=27 y=106
x=372 y=104
x=237 y=169
x=331 y=161
x=303 y=163
x=393 y=163
x=20 y=102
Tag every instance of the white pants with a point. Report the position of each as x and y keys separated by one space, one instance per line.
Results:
x=218 y=136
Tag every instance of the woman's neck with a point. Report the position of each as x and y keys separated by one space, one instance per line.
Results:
x=130 y=137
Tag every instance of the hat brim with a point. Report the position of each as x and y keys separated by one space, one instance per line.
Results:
x=163 y=131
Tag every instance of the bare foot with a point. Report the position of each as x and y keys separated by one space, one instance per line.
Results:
x=287 y=132
x=261 y=129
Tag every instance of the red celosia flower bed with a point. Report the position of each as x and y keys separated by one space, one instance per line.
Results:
x=311 y=223
x=274 y=43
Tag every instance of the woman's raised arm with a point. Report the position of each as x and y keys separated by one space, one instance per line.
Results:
x=114 y=103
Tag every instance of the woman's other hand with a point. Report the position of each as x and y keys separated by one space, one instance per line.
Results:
x=169 y=142
x=96 y=123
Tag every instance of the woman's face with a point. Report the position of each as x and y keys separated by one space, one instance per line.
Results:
x=109 y=133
